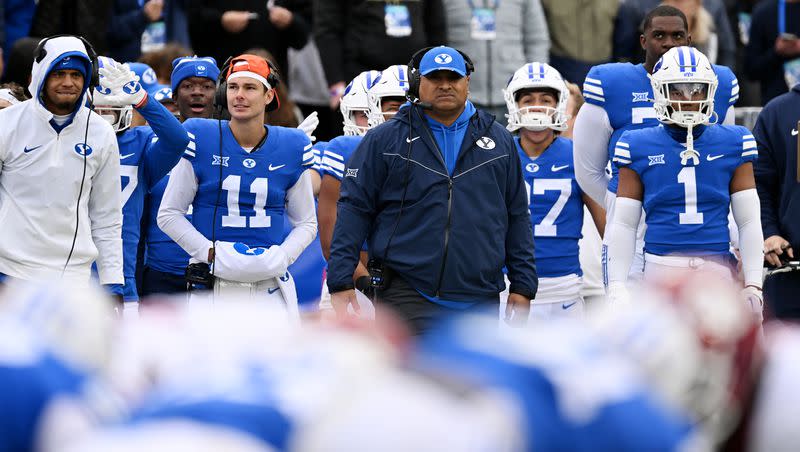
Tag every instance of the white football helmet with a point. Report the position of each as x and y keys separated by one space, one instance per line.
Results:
x=116 y=114
x=355 y=99
x=678 y=77
x=536 y=76
x=393 y=82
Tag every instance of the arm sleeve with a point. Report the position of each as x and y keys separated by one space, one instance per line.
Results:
x=126 y=27
x=163 y=154
x=520 y=259
x=622 y=239
x=302 y=215
x=178 y=196
x=356 y=209
x=105 y=213
x=590 y=136
x=330 y=20
x=535 y=37
x=768 y=178
x=746 y=208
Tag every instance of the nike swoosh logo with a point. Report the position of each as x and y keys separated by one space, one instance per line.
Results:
x=711 y=158
x=27 y=149
x=558 y=168
x=273 y=168
x=794 y=132
x=567 y=306
x=409 y=140
x=273 y=290
x=123 y=157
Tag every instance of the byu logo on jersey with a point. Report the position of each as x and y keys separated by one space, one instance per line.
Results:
x=640 y=97
x=656 y=159
x=217 y=160
x=443 y=58
x=532 y=167
x=486 y=143
x=249 y=163
x=83 y=149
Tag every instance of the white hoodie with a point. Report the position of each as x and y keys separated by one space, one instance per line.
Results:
x=40 y=178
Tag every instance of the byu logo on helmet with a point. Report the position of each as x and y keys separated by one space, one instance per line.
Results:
x=443 y=58
x=149 y=76
x=249 y=163
x=83 y=149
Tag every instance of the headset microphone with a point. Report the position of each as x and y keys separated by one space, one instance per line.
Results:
x=423 y=105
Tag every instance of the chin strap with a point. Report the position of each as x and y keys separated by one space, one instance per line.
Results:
x=690 y=153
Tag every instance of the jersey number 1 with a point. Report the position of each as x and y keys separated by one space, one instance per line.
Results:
x=688 y=178
x=259 y=188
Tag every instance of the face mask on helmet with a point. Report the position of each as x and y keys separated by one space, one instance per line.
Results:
x=391 y=85
x=536 y=77
x=119 y=116
x=684 y=85
x=355 y=103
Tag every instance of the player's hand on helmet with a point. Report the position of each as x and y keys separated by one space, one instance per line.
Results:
x=774 y=247
x=518 y=308
x=341 y=301
x=754 y=300
x=122 y=83
x=309 y=125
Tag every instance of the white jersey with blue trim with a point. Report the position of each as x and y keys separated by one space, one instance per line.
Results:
x=556 y=208
x=686 y=206
x=255 y=183
x=337 y=154
x=623 y=90
x=546 y=370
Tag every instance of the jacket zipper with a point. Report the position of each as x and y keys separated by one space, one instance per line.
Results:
x=446 y=233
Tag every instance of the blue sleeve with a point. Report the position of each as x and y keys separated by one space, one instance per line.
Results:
x=593 y=87
x=163 y=154
x=520 y=260
x=749 y=145
x=727 y=89
x=768 y=176
x=333 y=161
x=622 y=152
x=357 y=207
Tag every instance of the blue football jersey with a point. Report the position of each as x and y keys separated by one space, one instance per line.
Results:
x=161 y=253
x=338 y=153
x=252 y=206
x=574 y=393
x=319 y=149
x=144 y=160
x=623 y=90
x=556 y=208
x=686 y=207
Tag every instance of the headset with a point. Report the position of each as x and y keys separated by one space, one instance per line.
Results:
x=414 y=76
x=221 y=95
x=39 y=54
x=94 y=80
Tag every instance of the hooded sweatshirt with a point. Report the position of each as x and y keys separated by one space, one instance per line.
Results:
x=46 y=200
x=449 y=138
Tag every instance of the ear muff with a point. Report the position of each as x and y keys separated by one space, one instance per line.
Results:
x=414 y=76
x=94 y=79
x=221 y=95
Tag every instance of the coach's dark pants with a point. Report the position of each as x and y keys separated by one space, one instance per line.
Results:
x=782 y=295
x=157 y=282
x=419 y=313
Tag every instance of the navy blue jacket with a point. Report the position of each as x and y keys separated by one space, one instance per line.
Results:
x=455 y=233
x=761 y=62
x=776 y=167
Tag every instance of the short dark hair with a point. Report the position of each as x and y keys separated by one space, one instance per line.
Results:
x=663 y=11
x=524 y=91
